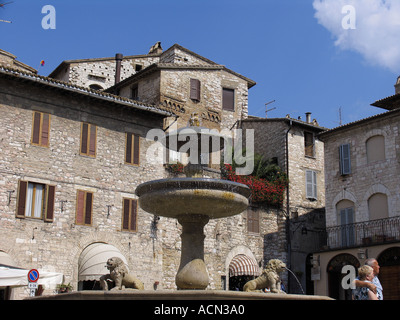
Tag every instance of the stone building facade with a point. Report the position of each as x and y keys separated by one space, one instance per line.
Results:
x=294 y=146
x=65 y=147
x=362 y=200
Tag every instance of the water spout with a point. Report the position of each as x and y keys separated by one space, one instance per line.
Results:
x=296 y=279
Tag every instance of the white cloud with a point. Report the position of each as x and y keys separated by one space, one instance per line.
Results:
x=377 y=28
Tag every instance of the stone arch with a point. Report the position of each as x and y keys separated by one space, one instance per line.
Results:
x=233 y=253
x=375 y=188
x=343 y=195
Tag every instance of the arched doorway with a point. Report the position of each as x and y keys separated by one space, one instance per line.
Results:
x=242 y=269
x=389 y=273
x=335 y=275
x=92 y=264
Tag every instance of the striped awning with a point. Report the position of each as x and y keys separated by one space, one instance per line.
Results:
x=242 y=265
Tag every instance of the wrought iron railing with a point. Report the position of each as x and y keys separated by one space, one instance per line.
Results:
x=363 y=233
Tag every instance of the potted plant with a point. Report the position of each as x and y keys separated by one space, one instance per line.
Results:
x=64 y=288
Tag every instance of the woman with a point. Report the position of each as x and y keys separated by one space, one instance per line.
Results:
x=365 y=273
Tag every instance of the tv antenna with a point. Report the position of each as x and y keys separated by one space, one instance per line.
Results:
x=266 y=108
x=2 y=6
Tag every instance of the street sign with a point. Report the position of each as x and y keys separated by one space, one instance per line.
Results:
x=33 y=285
x=33 y=275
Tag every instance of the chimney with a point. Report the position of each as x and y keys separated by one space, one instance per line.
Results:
x=397 y=86
x=156 y=49
x=118 y=60
x=308 y=117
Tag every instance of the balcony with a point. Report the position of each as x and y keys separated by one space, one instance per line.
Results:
x=365 y=233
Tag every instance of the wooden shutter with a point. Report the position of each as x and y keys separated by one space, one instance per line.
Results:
x=132 y=149
x=21 y=199
x=84 y=138
x=136 y=149
x=129 y=215
x=36 y=128
x=311 y=184
x=125 y=214
x=88 y=208
x=253 y=221
x=228 y=99
x=80 y=204
x=49 y=204
x=92 y=140
x=133 y=215
x=128 y=148
x=344 y=156
x=45 y=130
x=195 y=89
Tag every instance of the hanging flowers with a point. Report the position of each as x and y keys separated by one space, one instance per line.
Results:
x=262 y=190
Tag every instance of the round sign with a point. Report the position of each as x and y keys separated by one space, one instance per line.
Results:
x=33 y=275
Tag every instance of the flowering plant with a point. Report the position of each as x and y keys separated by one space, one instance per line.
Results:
x=174 y=168
x=262 y=190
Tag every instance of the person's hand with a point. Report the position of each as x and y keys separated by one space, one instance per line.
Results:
x=371 y=287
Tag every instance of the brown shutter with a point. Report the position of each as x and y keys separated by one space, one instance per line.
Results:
x=49 y=209
x=79 y=207
x=23 y=186
x=92 y=140
x=36 y=128
x=125 y=215
x=133 y=215
x=228 y=99
x=88 y=209
x=84 y=138
x=45 y=129
x=128 y=149
x=136 y=149
x=195 y=89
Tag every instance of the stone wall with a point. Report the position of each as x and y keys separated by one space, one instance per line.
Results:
x=365 y=178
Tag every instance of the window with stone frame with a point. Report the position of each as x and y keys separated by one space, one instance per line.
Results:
x=344 y=157
x=88 y=139
x=35 y=200
x=129 y=215
x=84 y=207
x=132 y=149
x=40 y=129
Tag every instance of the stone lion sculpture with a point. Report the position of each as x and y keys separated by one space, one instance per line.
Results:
x=268 y=279
x=120 y=276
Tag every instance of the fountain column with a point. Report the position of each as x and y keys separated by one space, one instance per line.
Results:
x=192 y=272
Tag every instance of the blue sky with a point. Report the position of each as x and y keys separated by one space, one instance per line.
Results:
x=296 y=50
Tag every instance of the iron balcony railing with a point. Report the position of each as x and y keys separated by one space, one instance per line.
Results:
x=363 y=233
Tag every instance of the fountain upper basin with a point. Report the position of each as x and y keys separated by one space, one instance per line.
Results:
x=180 y=196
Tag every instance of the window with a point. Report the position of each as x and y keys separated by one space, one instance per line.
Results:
x=309 y=144
x=40 y=129
x=228 y=99
x=84 y=204
x=88 y=139
x=378 y=206
x=135 y=92
x=132 y=149
x=375 y=149
x=344 y=157
x=129 y=215
x=347 y=226
x=311 y=184
x=195 y=89
x=253 y=221
x=35 y=200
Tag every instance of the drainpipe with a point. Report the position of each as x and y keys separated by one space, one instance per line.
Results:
x=118 y=60
x=287 y=222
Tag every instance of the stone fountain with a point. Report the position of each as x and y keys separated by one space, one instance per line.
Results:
x=193 y=200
